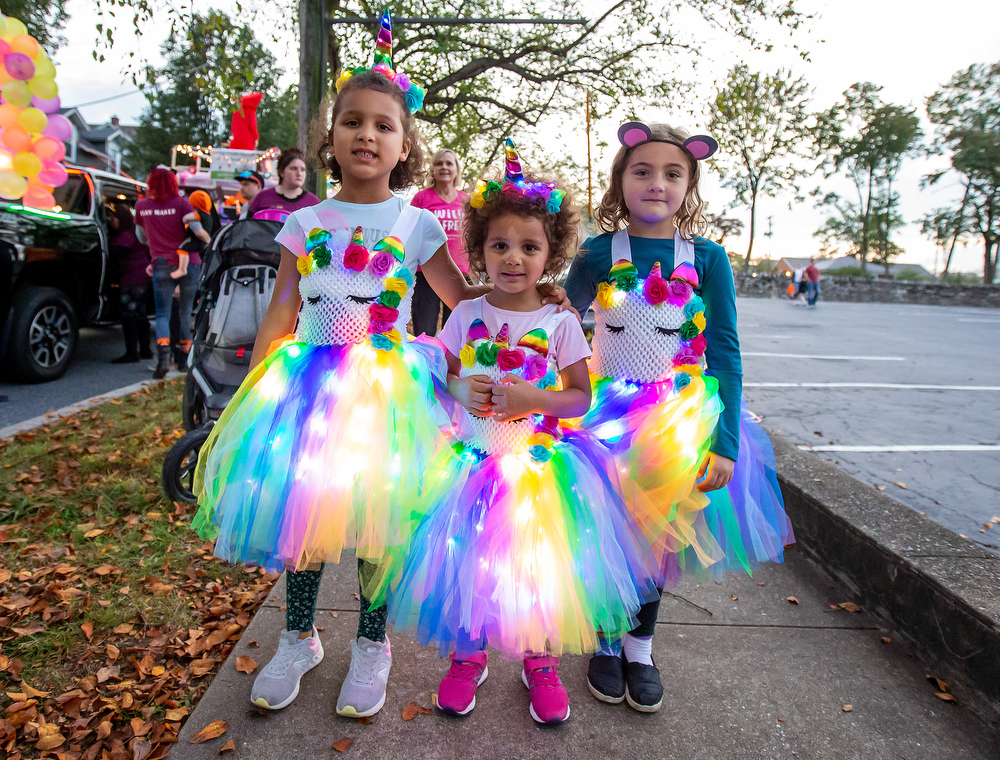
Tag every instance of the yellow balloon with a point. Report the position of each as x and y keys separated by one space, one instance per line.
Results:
x=26 y=164
x=17 y=93
x=13 y=29
x=3 y=27
x=44 y=87
x=44 y=67
x=32 y=120
x=25 y=43
x=12 y=186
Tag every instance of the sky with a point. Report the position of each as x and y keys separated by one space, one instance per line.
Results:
x=909 y=48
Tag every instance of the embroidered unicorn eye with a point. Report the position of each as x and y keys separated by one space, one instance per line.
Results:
x=314 y=299
x=615 y=329
x=361 y=299
x=667 y=330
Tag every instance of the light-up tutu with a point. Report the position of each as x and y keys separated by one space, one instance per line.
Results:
x=532 y=548
x=324 y=445
x=656 y=409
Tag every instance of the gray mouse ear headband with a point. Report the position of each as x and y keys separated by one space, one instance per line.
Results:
x=635 y=133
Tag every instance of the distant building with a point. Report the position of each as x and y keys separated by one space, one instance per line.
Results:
x=99 y=146
x=789 y=265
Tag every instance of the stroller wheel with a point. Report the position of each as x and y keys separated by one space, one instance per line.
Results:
x=180 y=463
x=193 y=404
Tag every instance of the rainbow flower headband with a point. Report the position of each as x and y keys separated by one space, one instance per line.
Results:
x=678 y=291
x=386 y=263
x=545 y=193
x=382 y=64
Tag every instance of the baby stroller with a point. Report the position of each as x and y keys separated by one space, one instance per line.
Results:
x=239 y=270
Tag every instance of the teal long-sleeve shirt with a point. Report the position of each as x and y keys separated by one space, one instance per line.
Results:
x=592 y=265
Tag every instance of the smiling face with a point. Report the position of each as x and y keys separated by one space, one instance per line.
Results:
x=655 y=182
x=445 y=170
x=369 y=139
x=516 y=251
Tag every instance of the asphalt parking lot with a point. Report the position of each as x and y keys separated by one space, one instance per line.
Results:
x=904 y=397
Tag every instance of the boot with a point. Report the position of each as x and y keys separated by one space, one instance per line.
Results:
x=162 y=362
x=131 y=355
x=142 y=329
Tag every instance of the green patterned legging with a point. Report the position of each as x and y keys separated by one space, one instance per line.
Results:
x=302 y=590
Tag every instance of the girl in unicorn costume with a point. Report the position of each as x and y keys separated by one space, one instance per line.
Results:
x=532 y=549
x=667 y=385
x=324 y=445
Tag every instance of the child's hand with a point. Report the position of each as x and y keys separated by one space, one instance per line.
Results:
x=149 y=270
x=554 y=294
x=177 y=274
x=514 y=399
x=475 y=393
x=717 y=471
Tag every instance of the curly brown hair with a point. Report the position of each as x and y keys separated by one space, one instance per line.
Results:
x=407 y=173
x=560 y=228
x=613 y=214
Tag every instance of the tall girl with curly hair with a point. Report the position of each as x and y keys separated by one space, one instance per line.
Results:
x=667 y=385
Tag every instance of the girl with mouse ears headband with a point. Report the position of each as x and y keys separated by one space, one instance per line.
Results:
x=667 y=378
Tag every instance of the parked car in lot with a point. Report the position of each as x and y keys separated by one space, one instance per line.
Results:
x=56 y=273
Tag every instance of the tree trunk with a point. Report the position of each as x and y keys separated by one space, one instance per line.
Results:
x=312 y=80
x=990 y=260
x=866 y=215
x=958 y=231
x=753 y=224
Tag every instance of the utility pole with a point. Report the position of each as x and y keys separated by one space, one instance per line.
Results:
x=590 y=186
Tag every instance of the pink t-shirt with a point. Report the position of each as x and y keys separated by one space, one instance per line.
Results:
x=164 y=226
x=452 y=218
x=567 y=343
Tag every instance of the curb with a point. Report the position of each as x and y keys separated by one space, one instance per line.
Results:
x=940 y=592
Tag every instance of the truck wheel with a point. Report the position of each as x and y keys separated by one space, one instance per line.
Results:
x=44 y=333
x=180 y=463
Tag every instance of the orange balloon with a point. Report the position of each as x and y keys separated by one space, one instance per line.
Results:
x=38 y=197
x=36 y=182
x=9 y=114
x=16 y=140
x=4 y=76
x=25 y=43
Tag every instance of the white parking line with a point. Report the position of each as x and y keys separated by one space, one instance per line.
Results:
x=901 y=386
x=764 y=335
x=987 y=321
x=829 y=356
x=903 y=448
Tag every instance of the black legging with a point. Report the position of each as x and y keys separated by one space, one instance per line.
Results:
x=647 y=617
x=302 y=589
x=427 y=307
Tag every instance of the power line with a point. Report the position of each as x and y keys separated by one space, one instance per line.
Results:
x=415 y=20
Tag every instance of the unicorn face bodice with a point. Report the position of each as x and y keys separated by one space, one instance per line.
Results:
x=495 y=358
x=350 y=294
x=649 y=330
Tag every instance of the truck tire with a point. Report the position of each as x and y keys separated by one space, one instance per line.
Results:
x=44 y=333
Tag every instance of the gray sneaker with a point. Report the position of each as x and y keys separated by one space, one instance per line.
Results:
x=363 y=692
x=277 y=685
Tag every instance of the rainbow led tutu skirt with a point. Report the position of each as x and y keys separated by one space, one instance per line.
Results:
x=656 y=409
x=324 y=445
x=531 y=548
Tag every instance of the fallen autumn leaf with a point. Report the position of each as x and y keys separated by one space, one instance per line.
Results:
x=229 y=745
x=342 y=745
x=848 y=708
x=245 y=664
x=793 y=600
x=213 y=730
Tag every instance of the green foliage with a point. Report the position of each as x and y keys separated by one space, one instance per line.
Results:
x=847 y=272
x=846 y=227
x=966 y=113
x=910 y=275
x=762 y=123
x=868 y=139
x=721 y=226
x=209 y=65
x=44 y=19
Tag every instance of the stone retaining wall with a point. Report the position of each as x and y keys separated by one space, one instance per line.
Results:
x=858 y=290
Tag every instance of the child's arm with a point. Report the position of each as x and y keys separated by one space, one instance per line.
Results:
x=182 y=265
x=473 y=392
x=581 y=289
x=283 y=311
x=518 y=398
x=447 y=280
x=193 y=221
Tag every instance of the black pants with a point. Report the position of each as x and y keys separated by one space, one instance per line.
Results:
x=647 y=617
x=135 y=324
x=426 y=308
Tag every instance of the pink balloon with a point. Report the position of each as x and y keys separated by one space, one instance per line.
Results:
x=38 y=197
x=58 y=127
x=49 y=149
x=46 y=106
x=52 y=174
x=4 y=48
x=19 y=66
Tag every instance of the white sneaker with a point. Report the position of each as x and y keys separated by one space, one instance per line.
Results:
x=277 y=685
x=363 y=692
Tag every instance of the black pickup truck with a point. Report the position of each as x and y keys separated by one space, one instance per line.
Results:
x=55 y=273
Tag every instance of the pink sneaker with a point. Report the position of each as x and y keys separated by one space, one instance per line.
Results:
x=549 y=700
x=457 y=692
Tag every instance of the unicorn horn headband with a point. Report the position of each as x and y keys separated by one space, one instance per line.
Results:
x=382 y=64
x=634 y=133
x=544 y=193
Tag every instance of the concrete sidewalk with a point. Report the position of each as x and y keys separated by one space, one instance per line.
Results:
x=747 y=674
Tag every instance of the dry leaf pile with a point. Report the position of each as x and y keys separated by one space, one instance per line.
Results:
x=114 y=616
